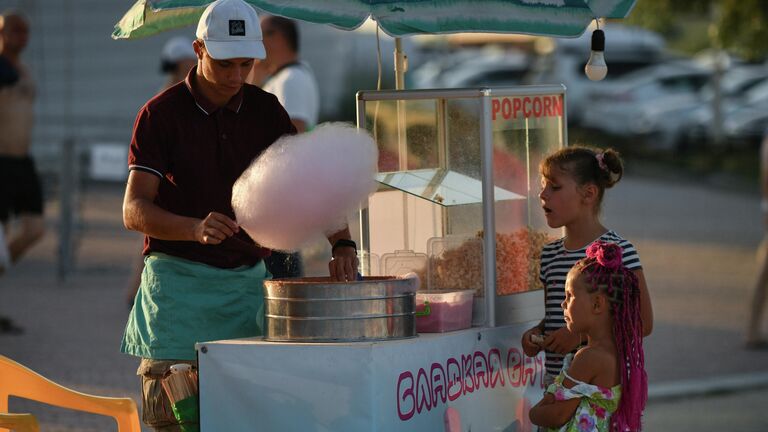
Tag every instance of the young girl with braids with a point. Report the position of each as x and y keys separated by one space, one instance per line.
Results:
x=603 y=387
x=574 y=181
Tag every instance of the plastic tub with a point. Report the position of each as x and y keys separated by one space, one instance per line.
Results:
x=443 y=311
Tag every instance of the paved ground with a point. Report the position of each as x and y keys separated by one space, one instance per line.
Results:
x=744 y=412
x=697 y=245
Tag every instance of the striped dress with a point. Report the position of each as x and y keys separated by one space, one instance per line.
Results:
x=556 y=262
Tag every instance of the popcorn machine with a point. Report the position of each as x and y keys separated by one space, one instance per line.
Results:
x=458 y=202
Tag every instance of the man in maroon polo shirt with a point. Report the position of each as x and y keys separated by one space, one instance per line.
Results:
x=203 y=274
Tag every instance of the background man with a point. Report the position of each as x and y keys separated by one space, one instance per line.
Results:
x=176 y=59
x=293 y=82
x=20 y=190
x=755 y=340
x=283 y=75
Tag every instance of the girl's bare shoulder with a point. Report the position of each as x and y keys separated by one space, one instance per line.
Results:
x=595 y=365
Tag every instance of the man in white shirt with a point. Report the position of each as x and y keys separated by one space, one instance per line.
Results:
x=283 y=75
x=293 y=82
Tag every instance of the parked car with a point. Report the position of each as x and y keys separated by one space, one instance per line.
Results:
x=430 y=73
x=745 y=93
x=666 y=123
x=473 y=68
x=627 y=106
x=628 y=49
x=746 y=125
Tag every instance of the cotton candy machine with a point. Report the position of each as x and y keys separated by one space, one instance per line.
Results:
x=321 y=310
x=458 y=206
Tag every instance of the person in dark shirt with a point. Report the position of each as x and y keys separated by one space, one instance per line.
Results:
x=203 y=275
x=176 y=60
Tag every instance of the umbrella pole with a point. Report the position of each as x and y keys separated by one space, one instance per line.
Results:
x=401 y=64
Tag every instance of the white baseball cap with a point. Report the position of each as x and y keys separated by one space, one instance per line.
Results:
x=231 y=29
x=177 y=49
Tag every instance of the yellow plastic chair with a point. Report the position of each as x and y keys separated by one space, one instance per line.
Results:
x=19 y=422
x=17 y=380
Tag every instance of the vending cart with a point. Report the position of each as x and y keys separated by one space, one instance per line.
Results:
x=457 y=215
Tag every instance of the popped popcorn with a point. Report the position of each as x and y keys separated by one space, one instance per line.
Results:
x=517 y=264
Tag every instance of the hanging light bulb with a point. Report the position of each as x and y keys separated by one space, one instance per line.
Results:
x=596 y=69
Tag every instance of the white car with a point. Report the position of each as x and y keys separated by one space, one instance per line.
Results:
x=743 y=98
x=627 y=49
x=430 y=73
x=747 y=124
x=617 y=109
x=473 y=69
x=666 y=123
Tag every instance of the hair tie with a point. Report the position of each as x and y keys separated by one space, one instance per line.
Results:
x=603 y=166
x=601 y=162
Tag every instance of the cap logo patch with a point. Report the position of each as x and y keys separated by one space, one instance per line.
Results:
x=237 y=27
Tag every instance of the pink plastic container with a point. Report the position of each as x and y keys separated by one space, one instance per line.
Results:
x=447 y=311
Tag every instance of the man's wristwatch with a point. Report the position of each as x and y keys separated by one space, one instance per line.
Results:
x=343 y=243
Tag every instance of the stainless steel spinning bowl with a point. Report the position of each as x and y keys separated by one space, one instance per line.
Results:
x=321 y=310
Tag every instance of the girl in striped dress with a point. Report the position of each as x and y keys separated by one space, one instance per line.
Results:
x=574 y=180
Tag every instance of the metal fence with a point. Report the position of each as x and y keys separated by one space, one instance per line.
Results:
x=72 y=152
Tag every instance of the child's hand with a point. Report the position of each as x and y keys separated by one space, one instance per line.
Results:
x=562 y=341
x=531 y=348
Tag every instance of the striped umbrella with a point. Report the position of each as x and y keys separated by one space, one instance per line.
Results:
x=565 y=18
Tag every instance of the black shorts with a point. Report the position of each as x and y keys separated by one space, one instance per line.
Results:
x=20 y=189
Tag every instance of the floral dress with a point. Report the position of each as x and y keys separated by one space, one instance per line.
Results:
x=596 y=406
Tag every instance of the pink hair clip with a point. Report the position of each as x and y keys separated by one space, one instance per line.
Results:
x=600 y=161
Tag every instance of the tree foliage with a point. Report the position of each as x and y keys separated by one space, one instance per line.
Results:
x=742 y=27
x=738 y=26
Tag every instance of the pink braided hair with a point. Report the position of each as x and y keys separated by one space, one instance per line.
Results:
x=605 y=272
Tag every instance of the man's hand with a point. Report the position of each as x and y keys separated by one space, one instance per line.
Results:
x=562 y=341
x=343 y=265
x=215 y=228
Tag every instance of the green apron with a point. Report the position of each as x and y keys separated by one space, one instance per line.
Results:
x=181 y=302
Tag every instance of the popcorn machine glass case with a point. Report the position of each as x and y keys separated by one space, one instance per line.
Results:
x=455 y=165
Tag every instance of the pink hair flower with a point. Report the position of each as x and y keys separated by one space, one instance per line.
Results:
x=601 y=161
x=608 y=255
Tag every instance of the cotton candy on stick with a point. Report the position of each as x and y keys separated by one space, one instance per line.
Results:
x=305 y=185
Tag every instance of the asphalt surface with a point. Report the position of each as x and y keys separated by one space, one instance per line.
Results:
x=697 y=244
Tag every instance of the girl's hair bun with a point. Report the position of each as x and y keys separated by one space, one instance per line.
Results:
x=614 y=167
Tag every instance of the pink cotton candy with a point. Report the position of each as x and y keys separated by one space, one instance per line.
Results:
x=305 y=185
